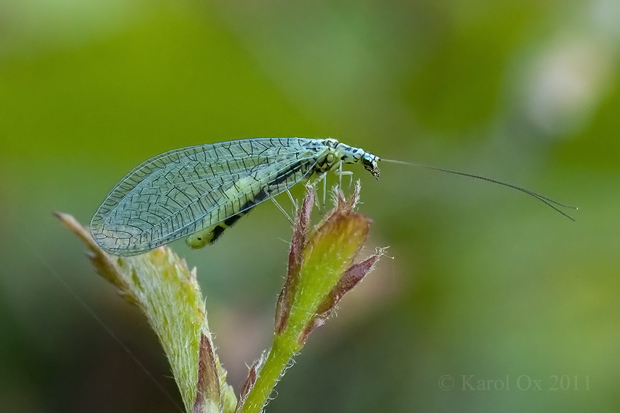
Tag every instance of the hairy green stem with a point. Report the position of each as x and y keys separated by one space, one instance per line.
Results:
x=283 y=349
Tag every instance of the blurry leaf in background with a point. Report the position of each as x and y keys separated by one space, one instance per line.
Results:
x=30 y=26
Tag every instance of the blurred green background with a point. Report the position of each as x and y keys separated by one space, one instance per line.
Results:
x=485 y=284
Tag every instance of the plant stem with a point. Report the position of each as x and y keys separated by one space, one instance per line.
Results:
x=284 y=348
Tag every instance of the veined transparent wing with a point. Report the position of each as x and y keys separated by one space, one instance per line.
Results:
x=180 y=192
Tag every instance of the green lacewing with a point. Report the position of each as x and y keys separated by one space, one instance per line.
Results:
x=197 y=192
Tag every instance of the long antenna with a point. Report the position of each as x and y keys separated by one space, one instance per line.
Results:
x=547 y=201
